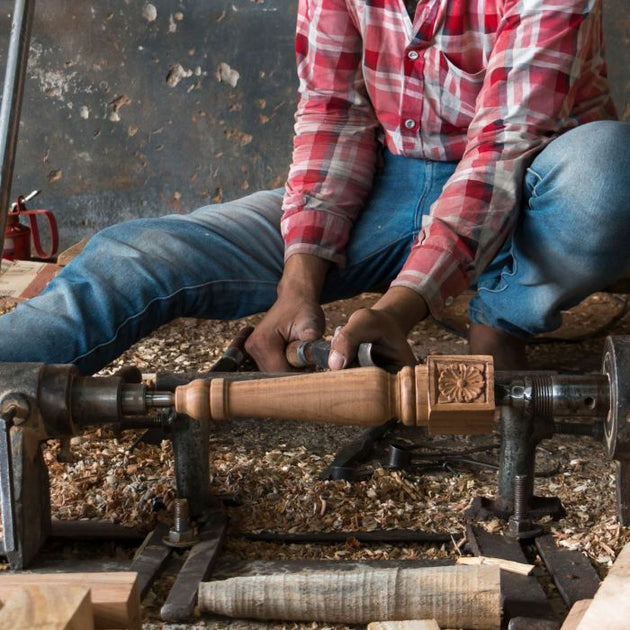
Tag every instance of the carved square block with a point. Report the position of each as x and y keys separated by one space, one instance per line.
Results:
x=461 y=394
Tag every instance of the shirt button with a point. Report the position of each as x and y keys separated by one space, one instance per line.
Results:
x=413 y=54
x=410 y=124
x=448 y=301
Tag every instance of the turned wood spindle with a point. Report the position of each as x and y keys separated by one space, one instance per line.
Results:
x=448 y=394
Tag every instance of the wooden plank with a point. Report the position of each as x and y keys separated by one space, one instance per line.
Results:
x=610 y=608
x=52 y=607
x=505 y=565
x=415 y=624
x=115 y=598
x=522 y=595
x=571 y=570
x=575 y=614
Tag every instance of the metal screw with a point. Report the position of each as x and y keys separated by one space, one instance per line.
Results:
x=520 y=497
x=181 y=534
x=519 y=525
x=181 y=515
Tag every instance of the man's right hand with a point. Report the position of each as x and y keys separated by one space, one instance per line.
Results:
x=296 y=314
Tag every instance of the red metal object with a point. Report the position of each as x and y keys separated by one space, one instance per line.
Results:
x=17 y=236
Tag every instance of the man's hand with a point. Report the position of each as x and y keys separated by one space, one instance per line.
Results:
x=296 y=314
x=385 y=324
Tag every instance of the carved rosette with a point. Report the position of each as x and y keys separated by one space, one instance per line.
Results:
x=461 y=394
x=461 y=383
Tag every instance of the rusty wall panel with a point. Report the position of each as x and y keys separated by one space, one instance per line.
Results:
x=135 y=108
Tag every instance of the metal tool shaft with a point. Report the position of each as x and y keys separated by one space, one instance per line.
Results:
x=15 y=73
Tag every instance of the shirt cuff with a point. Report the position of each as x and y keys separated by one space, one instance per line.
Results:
x=319 y=232
x=435 y=275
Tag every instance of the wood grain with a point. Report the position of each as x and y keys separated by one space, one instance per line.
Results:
x=414 y=624
x=46 y=606
x=115 y=598
x=610 y=608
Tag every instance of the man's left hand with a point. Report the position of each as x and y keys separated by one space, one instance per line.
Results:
x=385 y=324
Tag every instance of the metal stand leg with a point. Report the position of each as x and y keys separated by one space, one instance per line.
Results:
x=11 y=107
x=191 y=447
x=31 y=491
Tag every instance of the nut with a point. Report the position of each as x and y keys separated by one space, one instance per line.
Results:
x=181 y=539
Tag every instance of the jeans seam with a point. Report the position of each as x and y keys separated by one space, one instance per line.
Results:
x=151 y=303
x=417 y=225
x=538 y=177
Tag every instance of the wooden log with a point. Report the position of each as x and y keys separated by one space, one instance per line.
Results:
x=578 y=610
x=456 y=597
x=414 y=624
x=610 y=608
x=115 y=597
x=52 y=607
x=449 y=395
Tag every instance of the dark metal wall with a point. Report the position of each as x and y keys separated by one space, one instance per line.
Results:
x=134 y=108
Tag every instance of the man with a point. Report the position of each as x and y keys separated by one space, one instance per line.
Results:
x=465 y=143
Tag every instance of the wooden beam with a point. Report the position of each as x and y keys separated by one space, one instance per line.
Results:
x=610 y=608
x=52 y=607
x=115 y=597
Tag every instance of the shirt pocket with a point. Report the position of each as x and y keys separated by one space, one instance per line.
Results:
x=458 y=90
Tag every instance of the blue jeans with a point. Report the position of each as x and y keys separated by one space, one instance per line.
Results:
x=224 y=261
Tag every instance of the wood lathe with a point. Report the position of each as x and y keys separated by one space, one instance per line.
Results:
x=448 y=394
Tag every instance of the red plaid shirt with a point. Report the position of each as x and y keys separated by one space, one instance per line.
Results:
x=485 y=82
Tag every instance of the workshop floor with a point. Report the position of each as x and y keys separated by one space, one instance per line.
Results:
x=270 y=469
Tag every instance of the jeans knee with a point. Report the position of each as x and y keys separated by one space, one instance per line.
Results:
x=133 y=239
x=590 y=153
x=587 y=170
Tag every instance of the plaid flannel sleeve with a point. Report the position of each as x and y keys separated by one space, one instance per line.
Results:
x=334 y=149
